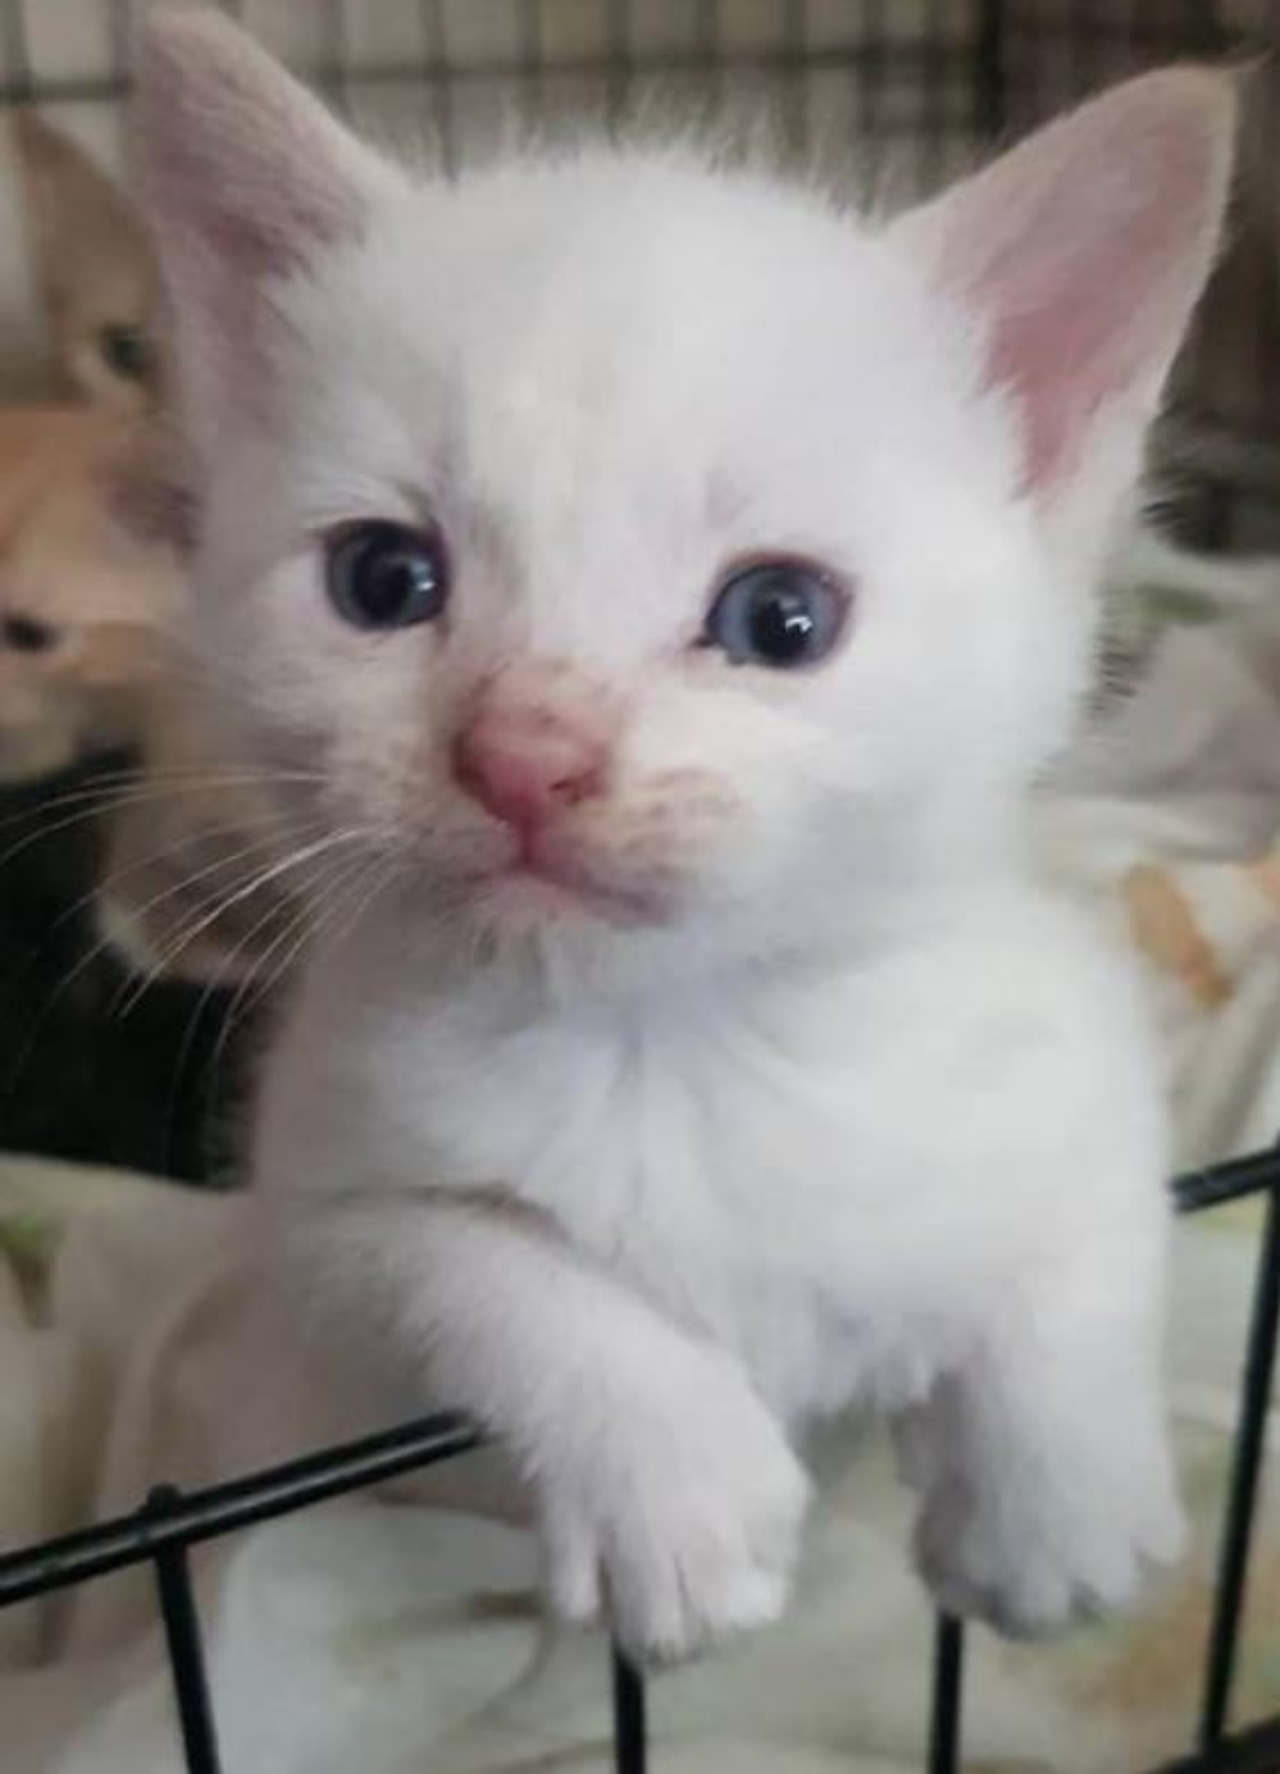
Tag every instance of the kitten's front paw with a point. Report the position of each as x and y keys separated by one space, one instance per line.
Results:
x=1031 y=1566
x=683 y=1527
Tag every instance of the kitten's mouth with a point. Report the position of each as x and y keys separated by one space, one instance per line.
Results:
x=543 y=882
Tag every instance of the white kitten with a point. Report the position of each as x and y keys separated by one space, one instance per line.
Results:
x=669 y=588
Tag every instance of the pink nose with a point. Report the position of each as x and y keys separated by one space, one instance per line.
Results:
x=524 y=761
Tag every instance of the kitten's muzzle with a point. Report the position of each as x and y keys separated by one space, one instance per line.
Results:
x=537 y=741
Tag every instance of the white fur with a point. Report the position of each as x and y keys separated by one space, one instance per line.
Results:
x=854 y=1110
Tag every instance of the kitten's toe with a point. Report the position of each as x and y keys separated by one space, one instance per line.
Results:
x=684 y=1518
x=1030 y=1578
x=673 y=1616
x=571 y=1558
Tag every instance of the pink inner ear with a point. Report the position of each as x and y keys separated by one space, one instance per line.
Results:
x=1067 y=345
x=1084 y=250
x=1027 y=356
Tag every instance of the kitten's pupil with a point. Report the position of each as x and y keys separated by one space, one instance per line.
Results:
x=24 y=634
x=781 y=627
x=779 y=614
x=383 y=575
x=391 y=583
x=126 y=350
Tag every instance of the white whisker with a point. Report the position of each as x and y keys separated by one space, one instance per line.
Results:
x=97 y=807
x=257 y=983
x=263 y=878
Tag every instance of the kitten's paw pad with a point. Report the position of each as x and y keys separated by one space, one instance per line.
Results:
x=1029 y=1576
x=687 y=1537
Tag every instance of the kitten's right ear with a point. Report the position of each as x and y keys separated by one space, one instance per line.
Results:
x=1077 y=259
x=246 y=177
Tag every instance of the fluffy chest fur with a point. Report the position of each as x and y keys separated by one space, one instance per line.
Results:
x=829 y=1171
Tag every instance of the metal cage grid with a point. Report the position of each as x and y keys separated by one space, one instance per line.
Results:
x=936 y=78
x=170 y=1522
x=816 y=76
x=938 y=81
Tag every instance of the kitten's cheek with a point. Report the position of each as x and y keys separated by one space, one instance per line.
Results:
x=672 y=834
x=684 y=801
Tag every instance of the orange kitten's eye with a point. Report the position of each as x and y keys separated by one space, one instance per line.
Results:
x=781 y=614
x=383 y=575
x=126 y=351
x=24 y=634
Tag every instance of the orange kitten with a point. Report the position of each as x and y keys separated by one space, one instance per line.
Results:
x=89 y=583
x=84 y=600
x=88 y=597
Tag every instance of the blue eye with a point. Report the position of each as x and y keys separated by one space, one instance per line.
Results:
x=382 y=575
x=781 y=614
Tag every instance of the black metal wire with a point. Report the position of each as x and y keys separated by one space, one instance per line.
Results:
x=630 y=1721
x=334 y=63
x=948 y=1697
x=618 y=13
x=989 y=87
x=1232 y=1180
x=1255 y=1751
x=244 y=1502
x=795 y=117
x=533 y=63
x=16 y=43
x=892 y=60
x=437 y=78
x=1255 y=1399
x=873 y=68
x=708 y=27
x=183 y=1639
x=120 y=31
x=1201 y=27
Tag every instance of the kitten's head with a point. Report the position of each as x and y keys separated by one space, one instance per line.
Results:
x=94 y=268
x=615 y=541
x=84 y=597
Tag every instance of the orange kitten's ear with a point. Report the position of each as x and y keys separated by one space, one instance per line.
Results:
x=246 y=177
x=93 y=266
x=1080 y=255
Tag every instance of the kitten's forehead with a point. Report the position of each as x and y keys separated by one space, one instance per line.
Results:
x=569 y=319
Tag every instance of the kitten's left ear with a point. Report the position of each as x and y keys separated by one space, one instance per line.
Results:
x=1080 y=256
x=246 y=178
